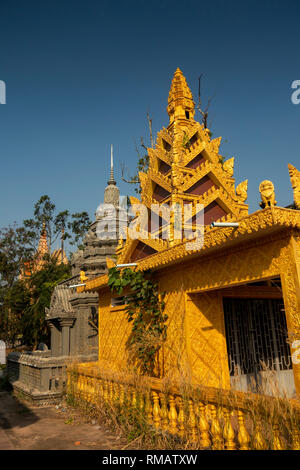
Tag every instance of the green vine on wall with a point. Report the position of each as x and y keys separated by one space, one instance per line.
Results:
x=144 y=308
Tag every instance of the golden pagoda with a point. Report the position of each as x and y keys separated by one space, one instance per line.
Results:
x=185 y=168
x=38 y=260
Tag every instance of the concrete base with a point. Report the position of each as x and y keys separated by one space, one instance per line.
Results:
x=37 y=397
x=40 y=377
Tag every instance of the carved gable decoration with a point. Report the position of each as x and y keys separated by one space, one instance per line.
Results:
x=185 y=167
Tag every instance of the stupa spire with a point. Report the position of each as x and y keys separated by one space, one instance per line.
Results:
x=43 y=242
x=111 y=179
x=111 y=193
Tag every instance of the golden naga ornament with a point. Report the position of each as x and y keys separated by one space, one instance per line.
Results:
x=228 y=166
x=110 y=263
x=267 y=194
x=134 y=200
x=83 y=277
x=295 y=181
x=242 y=190
x=120 y=243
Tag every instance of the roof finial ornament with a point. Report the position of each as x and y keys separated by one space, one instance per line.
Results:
x=180 y=101
x=295 y=180
x=43 y=232
x=111 y=179
x=43 y=242
x=267 y=194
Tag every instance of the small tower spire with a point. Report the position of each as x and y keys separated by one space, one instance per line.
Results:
x=111 y=193
x=43 y=247
x=180 y=102
x=111 y=179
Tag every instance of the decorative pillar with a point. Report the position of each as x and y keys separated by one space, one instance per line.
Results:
x=52 y=327
x=81 y=305
x=66 y=324
x=55 y=339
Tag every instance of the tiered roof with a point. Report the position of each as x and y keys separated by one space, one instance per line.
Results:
x=185 y=167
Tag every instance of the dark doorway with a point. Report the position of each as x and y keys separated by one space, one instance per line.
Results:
x=259 y=355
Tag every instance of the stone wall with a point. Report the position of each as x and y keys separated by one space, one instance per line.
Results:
x=39 y=376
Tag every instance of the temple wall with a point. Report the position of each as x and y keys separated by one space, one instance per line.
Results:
x=196 y=344
x=113 y=332
x=195 y=350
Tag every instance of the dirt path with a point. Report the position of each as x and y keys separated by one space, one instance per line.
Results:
x=25 y=426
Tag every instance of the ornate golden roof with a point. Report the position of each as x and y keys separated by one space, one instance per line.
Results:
x=185 y=167
x=251 y=227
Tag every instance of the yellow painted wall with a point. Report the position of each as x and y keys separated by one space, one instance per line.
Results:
x=196 y=346
x=113 y=332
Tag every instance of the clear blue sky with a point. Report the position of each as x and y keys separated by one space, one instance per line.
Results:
x=81 y=75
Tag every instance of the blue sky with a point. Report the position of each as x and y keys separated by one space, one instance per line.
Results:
x=81 y=75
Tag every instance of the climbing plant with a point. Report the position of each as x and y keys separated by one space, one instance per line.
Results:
x=144 y=308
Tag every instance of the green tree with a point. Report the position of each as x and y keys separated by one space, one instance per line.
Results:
x=41 y=286
x=22 y=304
x=61 y=225
x=13 y=302
x=15 y=247
x=78 y=226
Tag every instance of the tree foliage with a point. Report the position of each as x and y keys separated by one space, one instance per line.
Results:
x=22 y=303
x=41 y=286
x=61 y=225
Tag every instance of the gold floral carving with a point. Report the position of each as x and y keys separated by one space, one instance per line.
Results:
x=228 y=166
x=242 y=190
x=110 y=263
x=83 y=277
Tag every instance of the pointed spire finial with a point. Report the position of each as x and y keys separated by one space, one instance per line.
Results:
x=111 y=193
x=43 y=242
x=295 y=180
x=111 y=179
x=180 y=100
